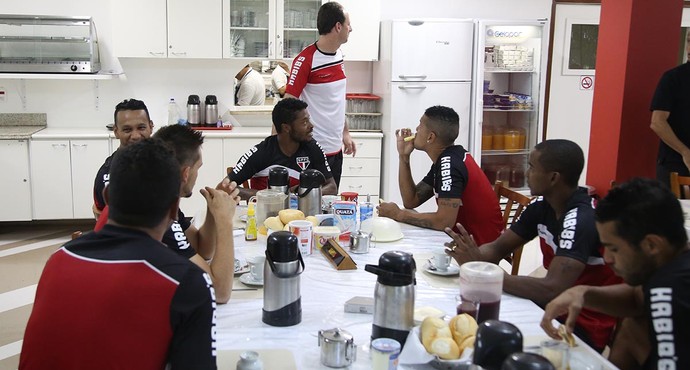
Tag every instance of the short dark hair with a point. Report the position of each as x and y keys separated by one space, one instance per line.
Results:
x=562 y=156
x=445 y=122
x=130 y=104
x=285 y=111
x=329 y=14
x=184 y=140
x=641 y=207
x=144 y=183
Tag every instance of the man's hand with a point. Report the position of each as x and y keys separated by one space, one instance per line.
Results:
x=569 y=302
x=389 y=210
x=229 y=187
x=221 y=204
x=349 y=146
x=405 y=148
x=463 y=248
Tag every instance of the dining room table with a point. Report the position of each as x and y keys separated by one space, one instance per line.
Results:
x=324 y=292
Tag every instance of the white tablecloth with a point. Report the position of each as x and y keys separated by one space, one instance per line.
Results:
x=325 y=291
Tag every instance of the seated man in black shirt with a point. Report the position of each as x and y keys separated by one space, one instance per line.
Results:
x=641 y=226
x=293 y=147
x=119 y=298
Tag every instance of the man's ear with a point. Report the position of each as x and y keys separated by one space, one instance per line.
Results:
x=185 y=173
x=555 y=177
x=652 y=244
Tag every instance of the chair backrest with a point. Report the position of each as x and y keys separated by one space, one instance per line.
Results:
x=515 y=204
x=680 y=185
x=245 y=184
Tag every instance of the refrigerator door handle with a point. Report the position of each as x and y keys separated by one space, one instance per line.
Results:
x=419 y=87
x=412 y=76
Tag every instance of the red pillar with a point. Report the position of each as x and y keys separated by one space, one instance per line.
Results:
x=638 y=41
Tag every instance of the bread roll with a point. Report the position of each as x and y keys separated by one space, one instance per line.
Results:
x=567 y=337
x=467 y=343
x=432 y=328
x=273 y=223
x=288 y=215
x=263 y=230
x=462 y=326
x=445 y=348
x=313 y=220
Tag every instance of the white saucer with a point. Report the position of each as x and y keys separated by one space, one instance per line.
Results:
x=243 y=218
x=247 y=279
x=452 y=270
x=242 y=270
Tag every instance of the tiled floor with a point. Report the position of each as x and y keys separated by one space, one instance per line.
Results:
x=24 y=250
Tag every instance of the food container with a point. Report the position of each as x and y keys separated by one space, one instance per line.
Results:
x=511 y=140
x=498 y=142
x=364 y=121
x=337 y=348
x=323 y=233
x=487 y=138
x=361 y=103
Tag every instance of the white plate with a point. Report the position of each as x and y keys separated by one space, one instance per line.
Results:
x=394 y=239
x=243 y=218
x=452 y=270
x=247 y=279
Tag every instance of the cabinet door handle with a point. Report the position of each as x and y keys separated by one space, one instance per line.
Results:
x=412 y=87
x=157 y=53
x=355 y=187
x=270 y=49
x=413 y=76
x=59 y=146
x=356 y=167
x=180 y=53
x=80 y=145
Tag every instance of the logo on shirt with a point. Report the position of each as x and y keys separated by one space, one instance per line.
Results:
x=446 y=180
x=568 y=233
x=303 y=162
x=661 y=310
x=180 y=236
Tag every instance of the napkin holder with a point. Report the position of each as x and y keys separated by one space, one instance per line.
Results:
x=337 y=256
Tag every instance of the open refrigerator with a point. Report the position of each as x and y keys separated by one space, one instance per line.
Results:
x=509 y=80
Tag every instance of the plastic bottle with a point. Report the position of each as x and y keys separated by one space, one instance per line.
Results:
x=366 y=210
x=174 y=116
x=250 y=230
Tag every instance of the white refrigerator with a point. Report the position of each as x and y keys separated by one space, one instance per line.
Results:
x=508 y=97
x=422 y=63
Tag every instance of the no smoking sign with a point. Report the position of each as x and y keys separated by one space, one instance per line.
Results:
x=586 y=82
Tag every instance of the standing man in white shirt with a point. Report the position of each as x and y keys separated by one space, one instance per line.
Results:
x=250 y=88
x=318 y=78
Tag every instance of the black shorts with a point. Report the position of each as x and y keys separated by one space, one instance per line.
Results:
x=335 y=161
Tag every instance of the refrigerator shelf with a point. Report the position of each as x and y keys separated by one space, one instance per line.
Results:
x=503 y=109
x=509 y=71
x=504 y=152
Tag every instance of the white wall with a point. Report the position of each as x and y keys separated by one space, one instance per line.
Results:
x=72 y=103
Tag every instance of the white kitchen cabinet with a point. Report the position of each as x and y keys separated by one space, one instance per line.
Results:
x=62 y=176
x=15 y=188
x=233 y=148
x=362 y=173
x=172 y=28
x=210 y=174
x=277 y=29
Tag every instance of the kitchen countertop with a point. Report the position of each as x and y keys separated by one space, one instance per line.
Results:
x=51 y=133
x=18 y=132
x=20 y=126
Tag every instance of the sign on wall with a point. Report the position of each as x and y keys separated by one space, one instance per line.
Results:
x=586 y=82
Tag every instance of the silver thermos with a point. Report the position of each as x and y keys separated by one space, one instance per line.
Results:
x=309 y=193
x=284 y=264
x=211 y=110
x=393 y=296
x=279 y=179
x=194 y=110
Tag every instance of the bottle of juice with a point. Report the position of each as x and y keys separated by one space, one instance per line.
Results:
x=250 y=231
x=511 y=140
x=487 y=137
x=498 y=142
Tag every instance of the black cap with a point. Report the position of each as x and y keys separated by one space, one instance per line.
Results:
x=211 y=99
x=193 y=99
x=311 y=178
x=282 y=246
x=278 y=176
x=395 y=268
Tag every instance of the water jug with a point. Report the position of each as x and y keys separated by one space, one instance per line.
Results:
x=282 y=269
x=268 y=203
x=279 y=179
x=393 y=296
x=211 y=110
x=481 y=285
x=194 y=110
x=309 y=193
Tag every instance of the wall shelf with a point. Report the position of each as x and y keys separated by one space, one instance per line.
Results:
x=60 y=76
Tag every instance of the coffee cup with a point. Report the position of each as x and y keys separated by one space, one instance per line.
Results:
x=256 y=267
x=440 y=261
x=303 y=230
